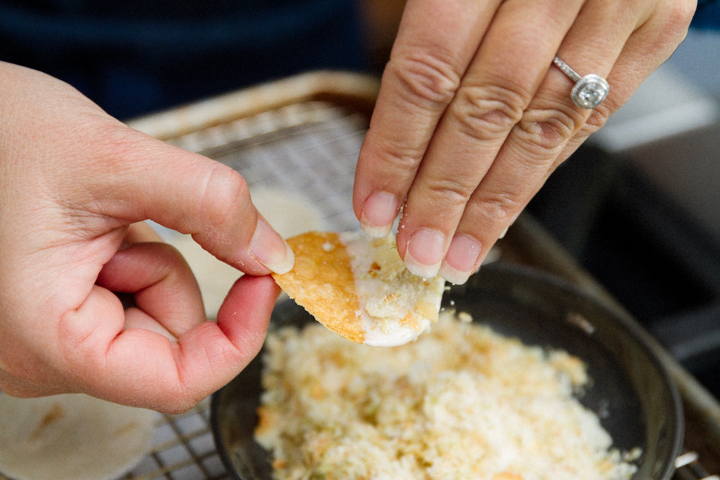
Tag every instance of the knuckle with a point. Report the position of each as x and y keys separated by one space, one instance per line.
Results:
x=182 y=399
x=498 y=206
x=397 y=160
x=669 y=27
x=225 y=193
x=681 y=13
x=11 y=370
x=597 y=119
x=452 y=194
x=14 y=389
x=169 y=260
x=115 y=142
x=430 y=78
x=487 y=112
x=548 y=129
x=176 y=406
x=78 y=346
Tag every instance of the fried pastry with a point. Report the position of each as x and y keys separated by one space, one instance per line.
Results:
x=359 y=288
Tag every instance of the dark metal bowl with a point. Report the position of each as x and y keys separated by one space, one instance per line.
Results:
x=639 y=403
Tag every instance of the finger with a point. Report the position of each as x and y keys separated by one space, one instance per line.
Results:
x=141 y=368
x=536 y=144
x=647 y=48
x=419 y=82
x=141 y=232
x=186 y=192
x=135 y=317
x=166 y=293
x=497 y=87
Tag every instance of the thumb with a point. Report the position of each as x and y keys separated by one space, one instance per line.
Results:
x=189 y=193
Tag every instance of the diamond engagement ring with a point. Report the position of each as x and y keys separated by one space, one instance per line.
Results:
x=589 y=91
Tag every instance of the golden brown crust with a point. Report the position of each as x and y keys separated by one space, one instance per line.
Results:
x=322 y=282
x=507 y=476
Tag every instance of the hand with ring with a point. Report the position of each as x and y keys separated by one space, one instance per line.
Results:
x=482 y=100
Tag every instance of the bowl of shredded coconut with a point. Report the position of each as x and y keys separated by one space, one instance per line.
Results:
x=521 y=378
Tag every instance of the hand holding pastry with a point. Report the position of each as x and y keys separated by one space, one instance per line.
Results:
x=74 y=182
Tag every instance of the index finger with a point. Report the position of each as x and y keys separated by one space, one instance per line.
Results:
x=418 y=84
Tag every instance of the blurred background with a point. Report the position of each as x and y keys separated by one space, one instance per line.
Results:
x=638 y=205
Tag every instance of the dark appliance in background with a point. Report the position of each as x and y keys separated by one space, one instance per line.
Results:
x=663 y=266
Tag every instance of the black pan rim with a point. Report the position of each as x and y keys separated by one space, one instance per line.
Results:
x=628 y=324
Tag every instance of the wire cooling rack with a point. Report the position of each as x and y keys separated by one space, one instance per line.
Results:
x=309 y=149
x=183 y=449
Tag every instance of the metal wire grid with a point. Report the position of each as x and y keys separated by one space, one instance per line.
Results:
x=306 y=149
x=183 y=449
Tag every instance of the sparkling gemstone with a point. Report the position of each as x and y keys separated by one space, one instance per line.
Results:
x=591 y=94
x=590 y=91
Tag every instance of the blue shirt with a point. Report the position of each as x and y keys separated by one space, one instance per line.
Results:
x=707 y=15
x=137 y=56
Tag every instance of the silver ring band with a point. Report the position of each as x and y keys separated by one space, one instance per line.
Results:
x=589 y=91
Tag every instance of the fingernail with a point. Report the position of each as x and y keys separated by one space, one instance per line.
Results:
x=502 y=235
x=378 y=214
x=460 y=260
x=270 y=249
x=424 y=252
